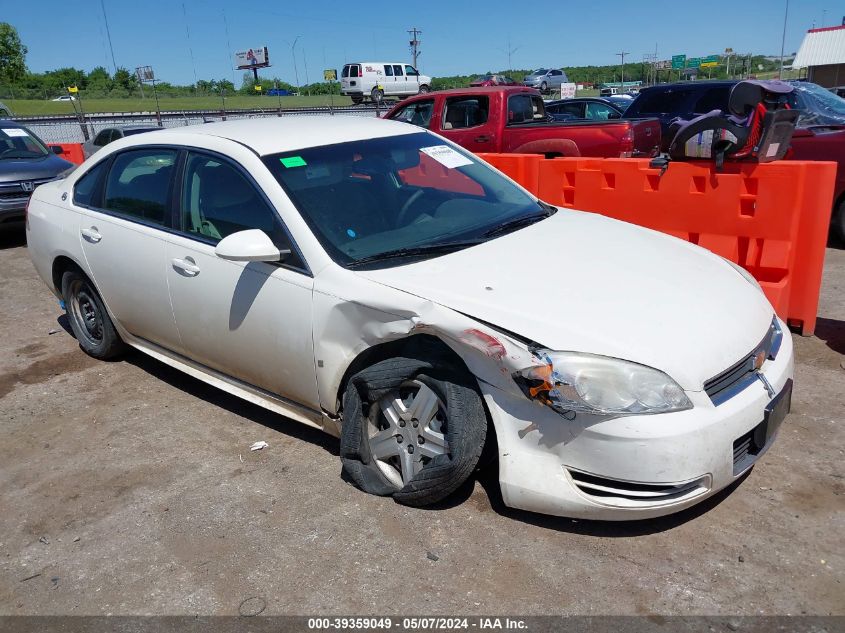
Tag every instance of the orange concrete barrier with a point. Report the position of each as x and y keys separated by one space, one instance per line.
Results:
x=70 y=151
x=772 y=219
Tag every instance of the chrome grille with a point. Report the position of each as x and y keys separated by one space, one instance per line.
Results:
x=724 y=386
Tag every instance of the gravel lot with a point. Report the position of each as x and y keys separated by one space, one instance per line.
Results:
x=128 y=488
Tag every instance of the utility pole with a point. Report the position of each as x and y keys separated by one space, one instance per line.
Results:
x=622 y=83
x=510 y=51
x=414 y=43
x=293 y=54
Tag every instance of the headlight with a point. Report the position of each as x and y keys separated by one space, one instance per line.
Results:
x=748 y=276
x=568 y=381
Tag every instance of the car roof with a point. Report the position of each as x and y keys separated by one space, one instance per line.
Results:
x=284 y=134
x=484 y=90
x=694 y=85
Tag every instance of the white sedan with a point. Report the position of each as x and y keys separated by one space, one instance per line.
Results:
x=378 y=282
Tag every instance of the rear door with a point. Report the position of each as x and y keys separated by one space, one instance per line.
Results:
x=400 y=80
x=388 y=81
x=123 y=230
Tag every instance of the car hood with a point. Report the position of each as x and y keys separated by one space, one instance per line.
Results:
x=581 y=282
x=14 y=169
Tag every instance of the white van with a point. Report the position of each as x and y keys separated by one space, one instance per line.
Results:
x=376 y=80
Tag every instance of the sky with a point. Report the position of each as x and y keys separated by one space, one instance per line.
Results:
x=195 y=39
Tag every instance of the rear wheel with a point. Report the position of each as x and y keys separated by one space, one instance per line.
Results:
x=91 y=324
x=377 y=95
x=357 y=99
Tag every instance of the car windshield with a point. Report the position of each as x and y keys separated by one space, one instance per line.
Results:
x=540 y=71
x=375 y=201
x=18 y=142
x=819 y=106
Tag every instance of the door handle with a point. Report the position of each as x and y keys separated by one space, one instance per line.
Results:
x=187 y=266
x=483 y=138
x=91 y=235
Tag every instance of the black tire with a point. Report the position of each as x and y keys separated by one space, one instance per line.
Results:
x=465 y=431
x=357 y=99
x=544 y=88
x=377 y=95
x=89 y=320
x=424 y=89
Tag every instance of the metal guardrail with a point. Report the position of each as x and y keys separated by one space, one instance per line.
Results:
x=68 y=128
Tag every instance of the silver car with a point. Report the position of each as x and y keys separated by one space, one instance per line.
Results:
x=109 y=134
x=545 y=80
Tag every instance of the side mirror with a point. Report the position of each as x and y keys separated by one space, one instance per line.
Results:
x=57 y=149
x=252 y=245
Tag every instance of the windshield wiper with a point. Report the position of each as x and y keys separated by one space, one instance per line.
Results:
x=525 y=220
x=415 y=251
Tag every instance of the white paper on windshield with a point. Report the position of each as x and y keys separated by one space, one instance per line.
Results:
x=446 y=156
x=14 y=131
x=773 y=150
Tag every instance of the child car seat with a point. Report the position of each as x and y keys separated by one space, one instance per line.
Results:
x=758 y=126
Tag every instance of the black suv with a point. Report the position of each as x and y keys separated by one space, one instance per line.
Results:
x=25 y=163
x=687 y=100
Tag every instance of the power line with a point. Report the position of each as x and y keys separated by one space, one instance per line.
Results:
x=108 y=34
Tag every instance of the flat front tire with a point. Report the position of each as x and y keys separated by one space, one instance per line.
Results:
x=411 y=431
x=89 y=320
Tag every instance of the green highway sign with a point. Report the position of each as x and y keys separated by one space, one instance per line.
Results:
x=693 y=62
x=678 y=61
x=710 y=59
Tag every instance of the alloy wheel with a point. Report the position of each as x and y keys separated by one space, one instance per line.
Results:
x=406 y=430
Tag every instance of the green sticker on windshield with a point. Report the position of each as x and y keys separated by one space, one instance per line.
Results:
x=293 y=161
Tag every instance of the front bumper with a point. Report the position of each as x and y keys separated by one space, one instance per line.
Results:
x=13 y=209
x=632 y=467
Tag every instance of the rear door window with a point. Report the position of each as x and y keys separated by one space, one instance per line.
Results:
x=663 y=101
x=525 y=108
x=713 y=99
x=138 y=185
x=397 y=70
x=388 y=70
x=464 y=112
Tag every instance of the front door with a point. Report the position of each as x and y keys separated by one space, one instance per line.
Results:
x=249 y=320
x=122 y=231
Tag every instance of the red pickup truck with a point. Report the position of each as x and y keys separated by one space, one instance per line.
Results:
x=513 y=119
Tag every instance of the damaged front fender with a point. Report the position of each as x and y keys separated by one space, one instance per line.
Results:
x=344 y=329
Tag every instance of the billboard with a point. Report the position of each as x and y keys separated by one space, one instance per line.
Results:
x=255 y=57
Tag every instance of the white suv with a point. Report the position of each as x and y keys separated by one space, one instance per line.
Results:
x=376 y=80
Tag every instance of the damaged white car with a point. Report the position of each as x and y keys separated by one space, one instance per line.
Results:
x=380 y=283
